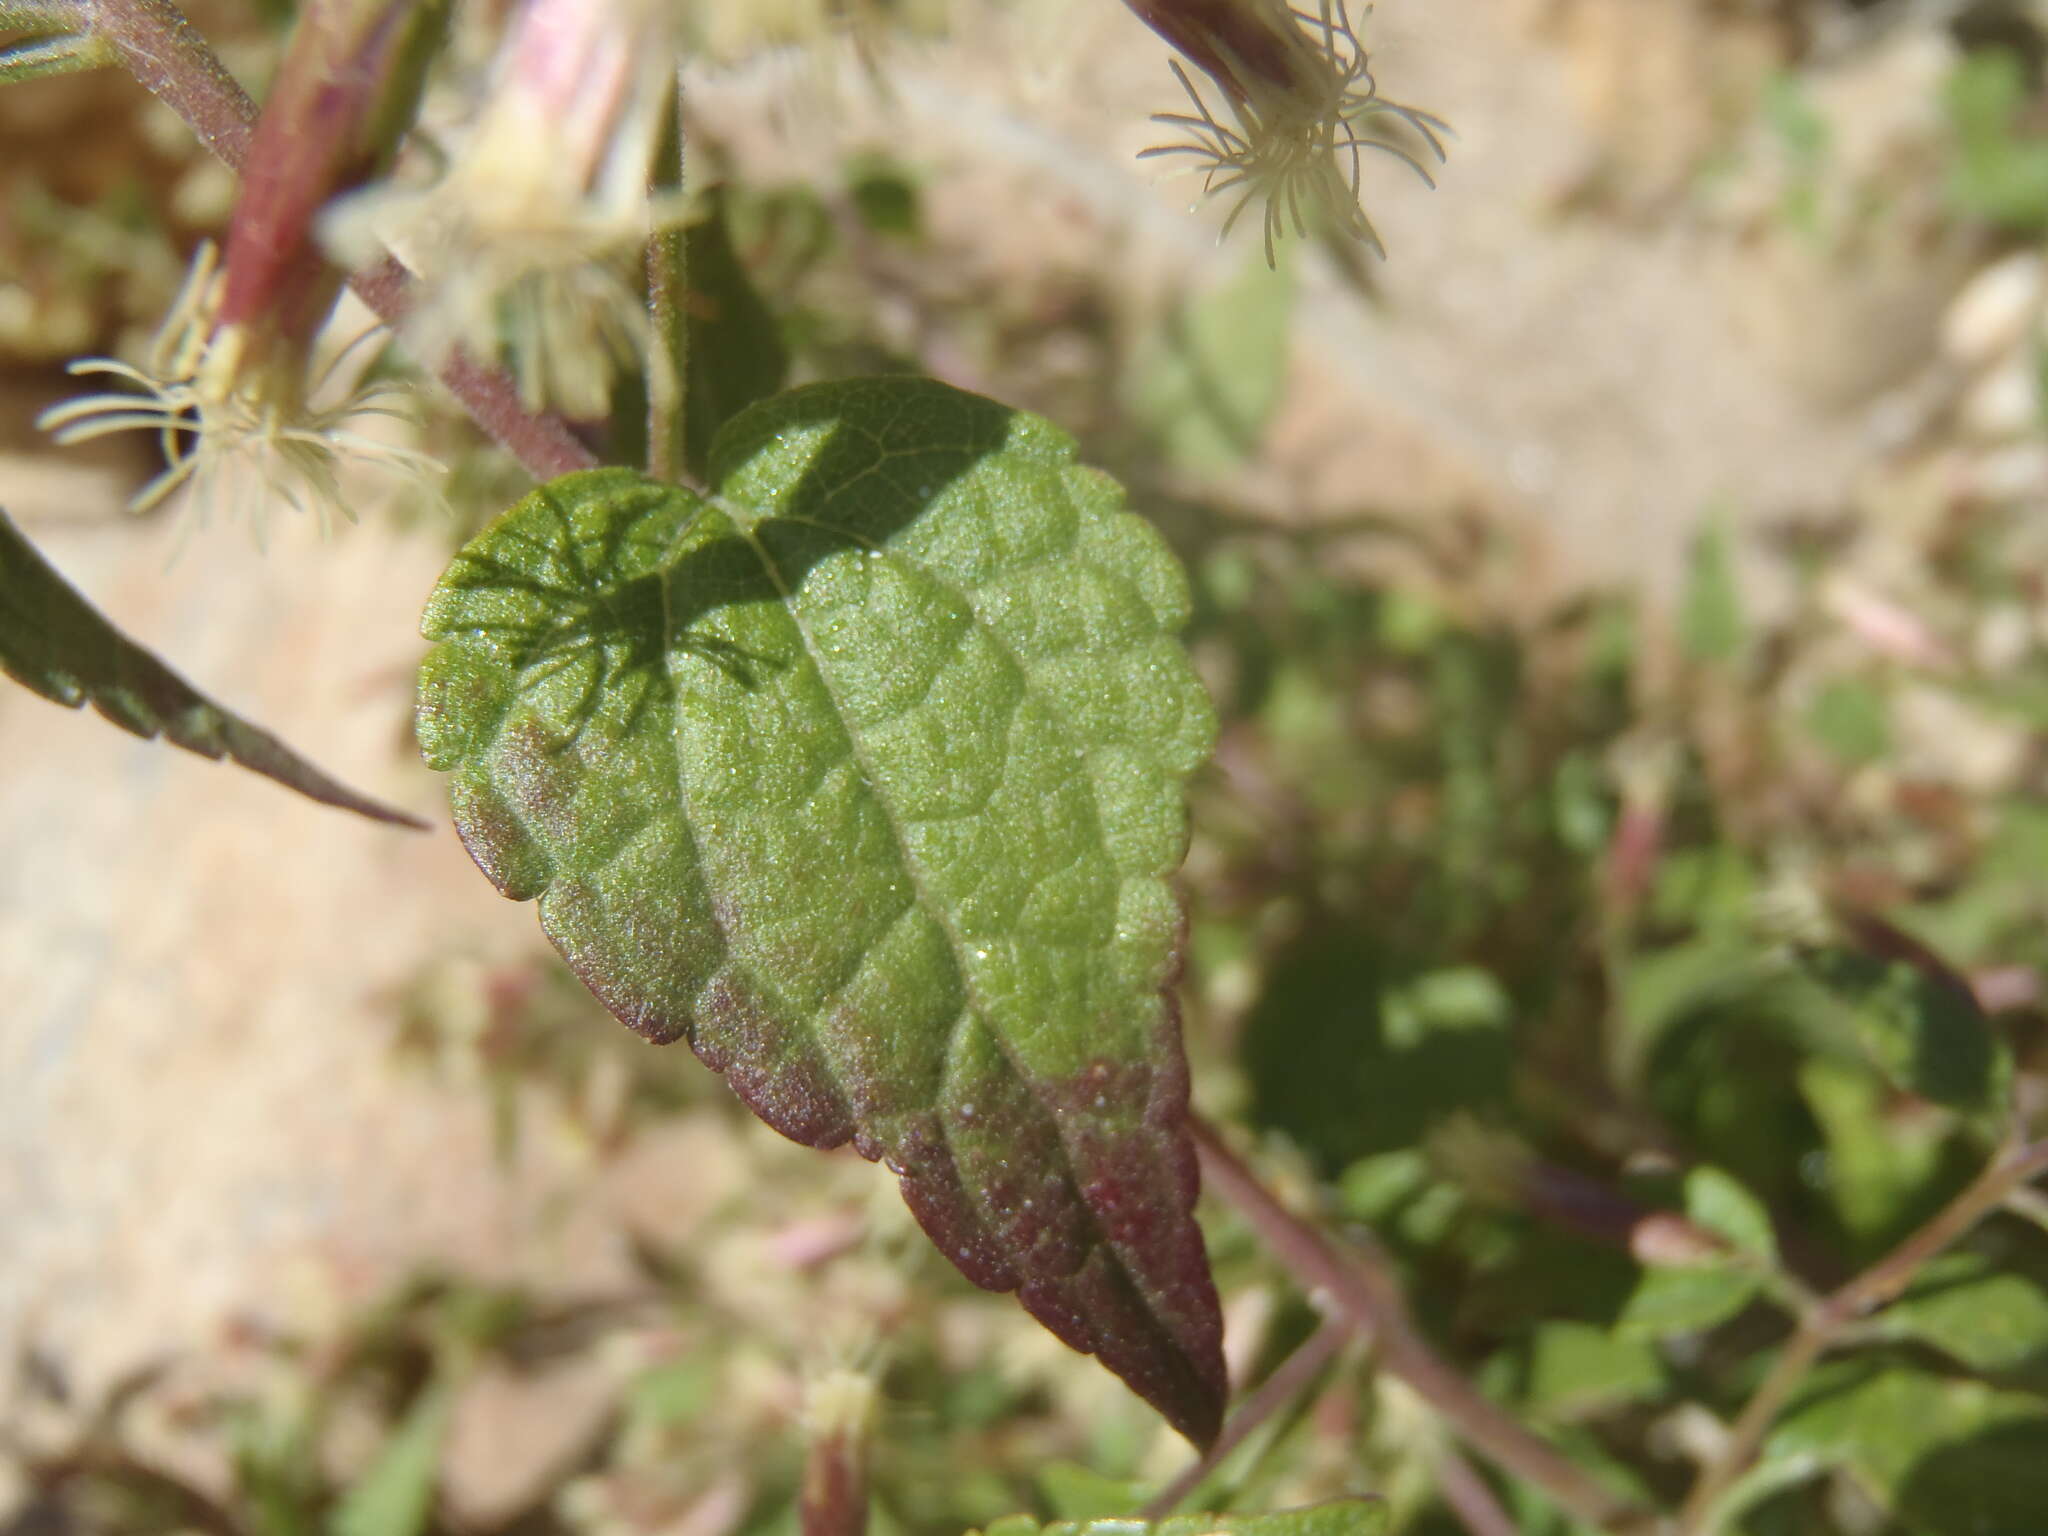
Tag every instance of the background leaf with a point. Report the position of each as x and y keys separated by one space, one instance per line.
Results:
x=1210 y=382
x=1983 y=1317
x=55 y=643
x=1918 y=1026
x=736 y=355
x=1949 y=1455
x=867 y=778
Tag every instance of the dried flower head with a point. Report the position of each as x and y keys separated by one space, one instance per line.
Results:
x=240 y=428
x=527 y=248
x=1305 y=107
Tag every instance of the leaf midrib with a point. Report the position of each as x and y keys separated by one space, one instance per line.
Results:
x=937 y=910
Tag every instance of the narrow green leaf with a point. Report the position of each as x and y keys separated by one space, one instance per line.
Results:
x=1999 y=169
x=396 y=1495
x=1338 y=1517
x=55 y=643
x=1884 y=1172
x=69 y=55
x=885 y=196
x=1852 y=719
x=866 y=776
x=735 y=353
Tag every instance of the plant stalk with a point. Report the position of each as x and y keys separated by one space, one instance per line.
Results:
x=1359 y=1285
x=168 y=58
x=1468 y=1497
x=1288 y=1381
x=1839 y=1311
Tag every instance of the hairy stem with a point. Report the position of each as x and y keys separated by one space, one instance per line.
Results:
x=42 y=15
x=171 y=61
x=1358 y=1283
x=539 y=440
x=159 y=47
x=1837 y=1313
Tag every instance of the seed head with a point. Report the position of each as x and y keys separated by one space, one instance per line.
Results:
x=239 y=427
x=1304 y=107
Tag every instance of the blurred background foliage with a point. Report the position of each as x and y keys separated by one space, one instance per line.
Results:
x=1518 y=915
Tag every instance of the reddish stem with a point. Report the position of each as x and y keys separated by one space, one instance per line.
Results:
x=159 y=47
x=1358 y=1284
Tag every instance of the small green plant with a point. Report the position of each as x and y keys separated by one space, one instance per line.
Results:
x=1601 y=1155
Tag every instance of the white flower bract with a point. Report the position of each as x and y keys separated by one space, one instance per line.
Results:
x=243 y=435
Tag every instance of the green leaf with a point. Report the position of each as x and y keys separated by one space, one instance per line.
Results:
x=1949 y=1456
x=1208 y=384
x=1718 y=1203
x=396 y=1495
x=55 y=643
x=1339 y=1517
x=1987 y=1319
x=1350 y=1054
x=1075 y=1492
x=867 y=777
x=1576 y=1370
x=885 y=195
x=1687 y=1299
x=1916 y=1023
x=1884 y=1172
